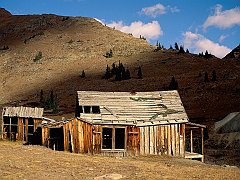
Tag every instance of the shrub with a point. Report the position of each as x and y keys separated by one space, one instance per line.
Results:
x=83 y=74
x=139 y=73
x=173 y=84
x=38 y=56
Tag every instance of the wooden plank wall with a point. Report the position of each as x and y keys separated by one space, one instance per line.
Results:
x=81 y=136
x=97 y=139
x=45 y=136
x=164 y=139
x=133 y=141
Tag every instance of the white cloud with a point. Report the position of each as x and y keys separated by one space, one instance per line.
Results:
x=198 y=43
x=221 y=38
x=151 y=30
x=223 y=19
x=158 y=9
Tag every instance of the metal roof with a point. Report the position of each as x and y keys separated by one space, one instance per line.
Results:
x=138 y=108
x=23 y=112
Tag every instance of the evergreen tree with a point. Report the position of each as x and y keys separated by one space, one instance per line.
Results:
x=171 y=48
x=118 y=76
x=214 y=75
x=181 y=50
x=107 y=74
x=139 y=74
x=176 y=46
x=128 y=76
x=41 y=98
x=173 y=84
x=83 y=74
x=206 y=77
x=187 y=51
x=113 y=71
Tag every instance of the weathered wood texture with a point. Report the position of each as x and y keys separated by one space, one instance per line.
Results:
x=77 y=135
x=164 y=139
x=19 y=130
x=23 y=112
x=140 y=108
x=133 y=141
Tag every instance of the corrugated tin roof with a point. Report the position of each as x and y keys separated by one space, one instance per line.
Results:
x=138 y=108
x=23 y=112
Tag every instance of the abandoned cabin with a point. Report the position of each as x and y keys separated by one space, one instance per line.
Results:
x=22 y=124
x=116 y=124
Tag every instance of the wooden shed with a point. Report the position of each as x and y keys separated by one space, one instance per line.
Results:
x=22 y=123
x=124 y=123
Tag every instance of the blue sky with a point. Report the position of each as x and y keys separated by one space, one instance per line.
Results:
x=198 y=25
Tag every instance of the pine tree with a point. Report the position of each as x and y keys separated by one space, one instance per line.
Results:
x=41 y=98
x=113 y=71
x=171 y=48
x=214 y=75
x=181 y=50
x=83 y=74
x=118 y=76
x=139 y=74
x=107 y=74
x=173 y=84
x=128 y=76
x=187 y=51
x=206 y=77
x=176 y=46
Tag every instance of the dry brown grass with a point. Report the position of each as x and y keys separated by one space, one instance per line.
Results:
x=36 y=162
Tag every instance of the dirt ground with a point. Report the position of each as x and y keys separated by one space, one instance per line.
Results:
x=37 y=162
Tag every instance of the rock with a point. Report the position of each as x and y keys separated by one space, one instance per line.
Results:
x=109 y=176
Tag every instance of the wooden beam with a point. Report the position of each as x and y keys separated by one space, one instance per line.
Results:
x=191 y=141
x=202 y=133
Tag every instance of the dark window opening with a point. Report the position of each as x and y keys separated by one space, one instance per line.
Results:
x=119 y=138
x=107 y=138
x=80 y=109
x=10 y=128
x=14 y=120
x=95 y=110
x=56 y=140
x=6 y=120
x=30 y=121
x=87 y=109
x=30 y=130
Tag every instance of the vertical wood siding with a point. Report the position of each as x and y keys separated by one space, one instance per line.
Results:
x=164 y=139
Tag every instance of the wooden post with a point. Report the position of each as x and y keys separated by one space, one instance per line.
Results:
x=202 y=144
x=191 y=141
x=184 y=140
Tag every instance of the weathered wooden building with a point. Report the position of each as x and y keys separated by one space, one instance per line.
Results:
x=22 y=123
x=124 y=123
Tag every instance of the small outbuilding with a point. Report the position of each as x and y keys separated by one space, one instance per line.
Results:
x=22 y=123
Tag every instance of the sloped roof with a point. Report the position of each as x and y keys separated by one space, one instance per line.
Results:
x=231 y=123
x=23 y=112
x=138 y=108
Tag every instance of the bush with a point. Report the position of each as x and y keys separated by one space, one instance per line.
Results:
x=83 y=74
x=139 y=74
x=109 y=54
x=38 y=56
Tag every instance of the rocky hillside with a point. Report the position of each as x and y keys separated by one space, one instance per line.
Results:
x=49 y=52
x=234 y=54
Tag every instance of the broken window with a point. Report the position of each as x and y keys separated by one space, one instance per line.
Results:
x=87 y=109
x=107 y=138
x=119 y=138
x=10 y=127
x=95 y=110
x=113 y=138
